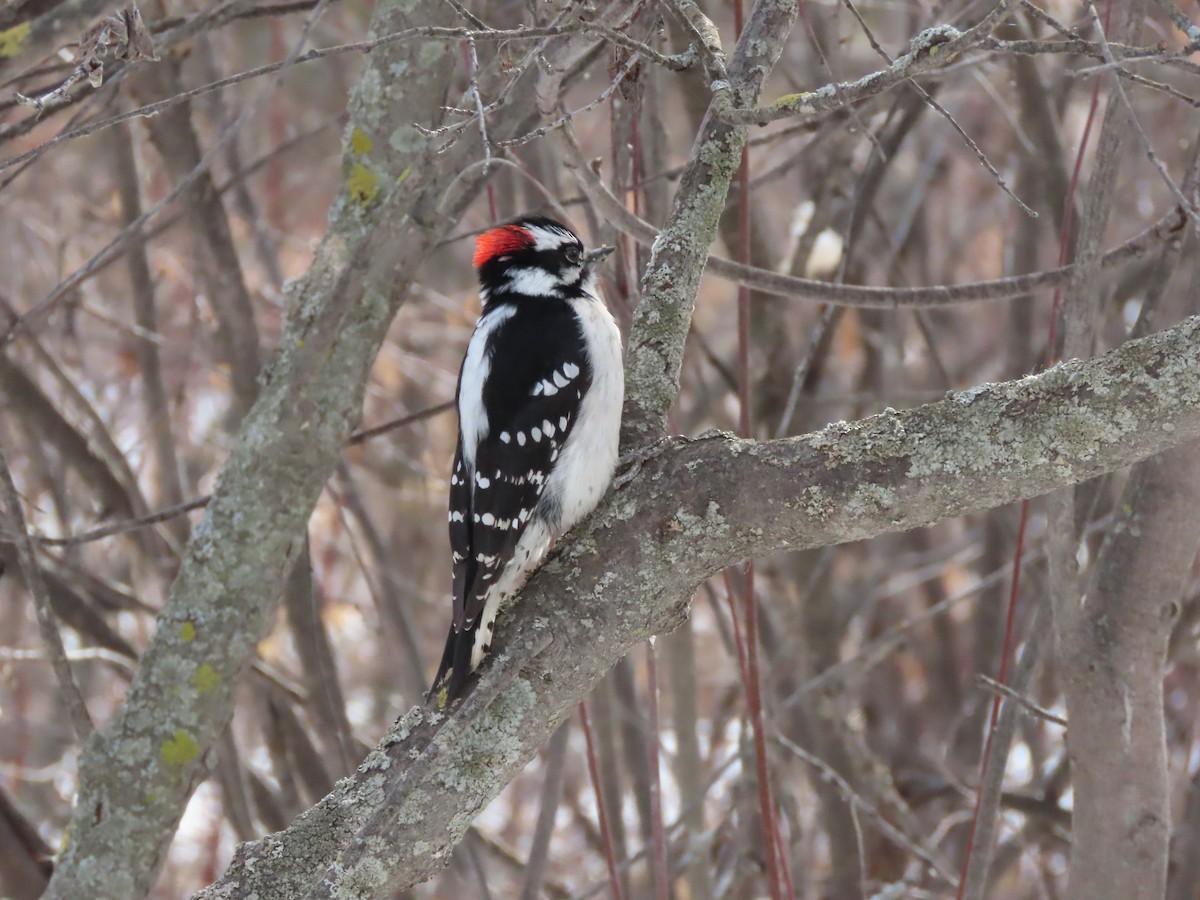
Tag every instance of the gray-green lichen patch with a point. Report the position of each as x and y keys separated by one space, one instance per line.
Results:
x=815 y=504
x=368 y=875
x=367 y=102
x=407 y=140
x=870 y=500
x=711 y=524
x=491 y=741
x=930 y=38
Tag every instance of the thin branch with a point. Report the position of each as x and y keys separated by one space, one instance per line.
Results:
x=934 y=48
x=662 y=880
x=180 y=509
x=1077 y=46
x=1185 y=203
x=830 y=775
x=77 y=710
x=566 y=118
x=28 y=318
x=676 y=63
x=473 y=90
x=945 y=113
x=552 y=784
x=865 y=297
x=614 y=879
x=1020 y=699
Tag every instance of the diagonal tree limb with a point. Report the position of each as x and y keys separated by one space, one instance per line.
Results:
x=136 y=776
x=10 y=503
x=678 y=255
x=702 y=505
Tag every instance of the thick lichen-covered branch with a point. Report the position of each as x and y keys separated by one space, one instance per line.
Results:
x=701 y=505
x=136 y=775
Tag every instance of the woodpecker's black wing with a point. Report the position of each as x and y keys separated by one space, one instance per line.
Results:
x=538 y=375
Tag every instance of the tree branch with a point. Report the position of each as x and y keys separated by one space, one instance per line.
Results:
x=677 y=257
x=704 y=504
x=136 y=776
x=934 y=48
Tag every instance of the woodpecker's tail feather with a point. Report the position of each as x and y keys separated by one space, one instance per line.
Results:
x=454 y=673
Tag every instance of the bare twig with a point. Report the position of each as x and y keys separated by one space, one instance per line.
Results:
x=565 y=118
x=40 y=308
x=662 y=880
x=876 y=297
x=77 y=710
x=1020 y=699
x=1185 y=203
x=552 y=783
x=680 y=62
x=830 y=775
x=614 y=879
x=932 y=49
x=122 y=35
x=164 y=515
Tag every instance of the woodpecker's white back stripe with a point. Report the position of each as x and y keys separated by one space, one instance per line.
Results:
x=472 y=416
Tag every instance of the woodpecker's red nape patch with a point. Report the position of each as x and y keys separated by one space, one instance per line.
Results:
x=497 y=241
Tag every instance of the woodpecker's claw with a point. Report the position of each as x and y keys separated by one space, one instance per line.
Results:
x=632 y=462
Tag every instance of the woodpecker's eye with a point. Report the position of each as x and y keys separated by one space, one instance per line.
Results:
x=572 y=254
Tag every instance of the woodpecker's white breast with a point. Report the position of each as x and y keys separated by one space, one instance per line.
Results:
x=588 y=458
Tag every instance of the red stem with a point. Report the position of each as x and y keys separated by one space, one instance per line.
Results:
x=610 y=856
x=1002 y=678
x=750 y=674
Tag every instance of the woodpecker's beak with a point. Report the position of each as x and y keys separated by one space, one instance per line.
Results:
x=594 y=257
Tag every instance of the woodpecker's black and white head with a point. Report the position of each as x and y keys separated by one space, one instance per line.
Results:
x=534 y=257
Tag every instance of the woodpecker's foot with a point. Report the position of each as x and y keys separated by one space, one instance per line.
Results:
x=632 y=463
